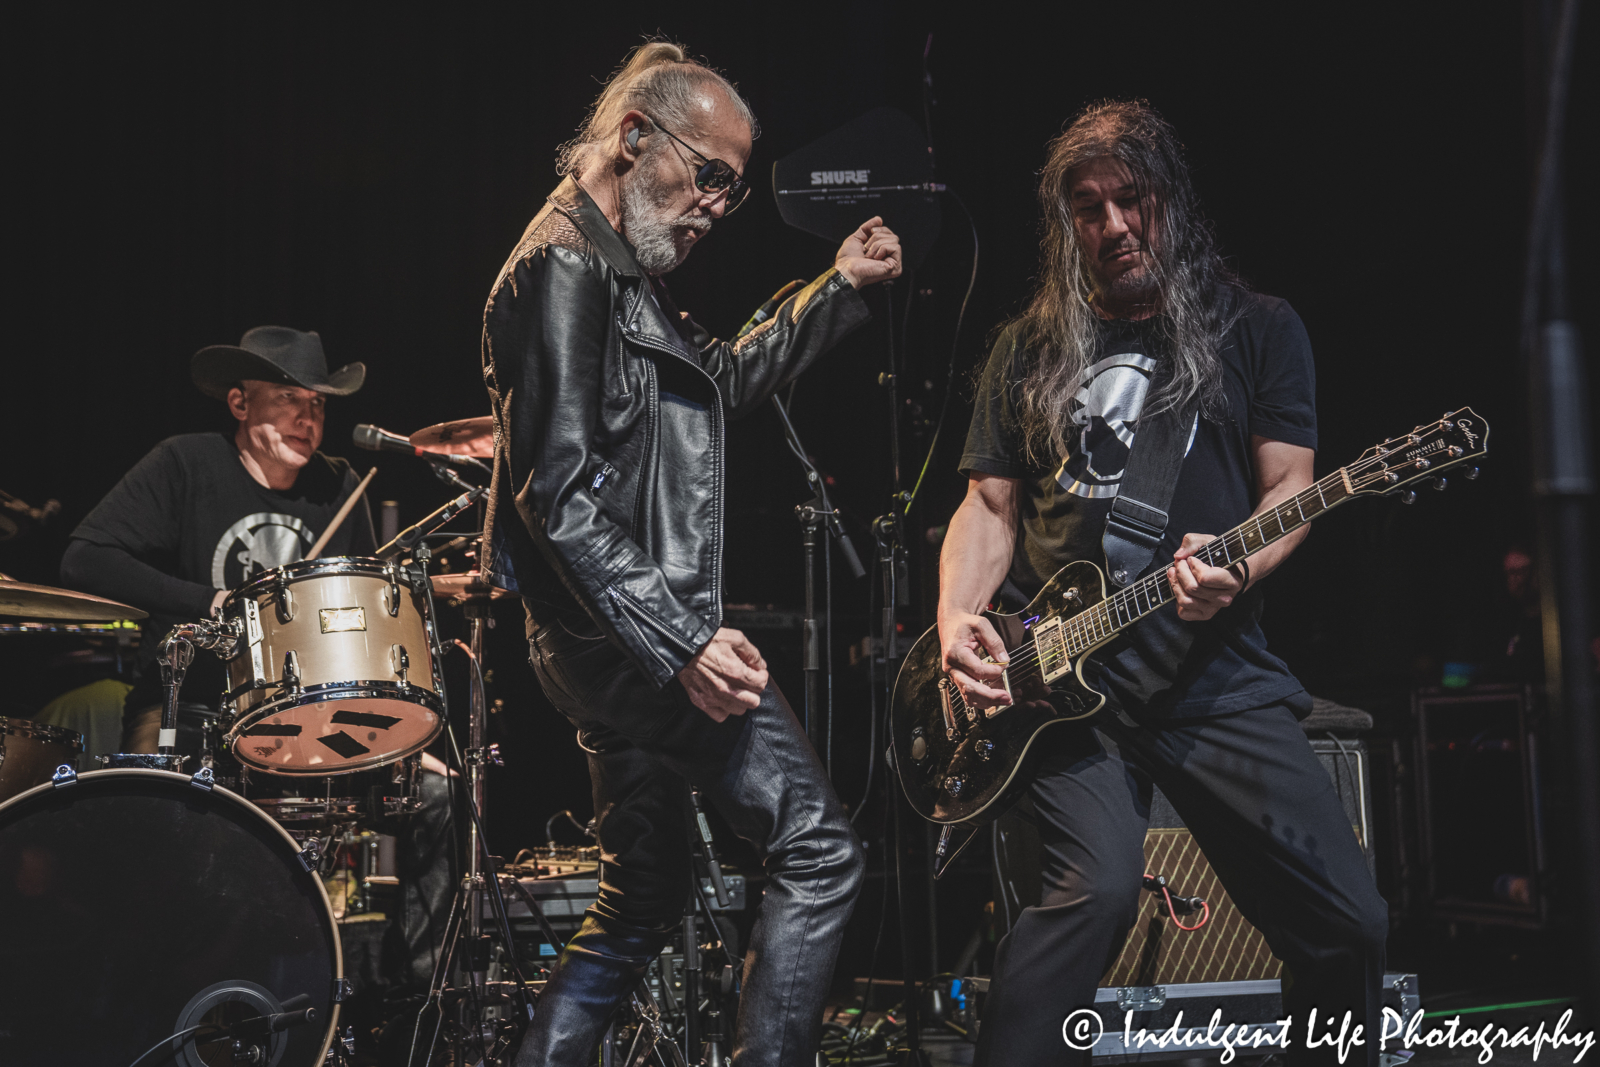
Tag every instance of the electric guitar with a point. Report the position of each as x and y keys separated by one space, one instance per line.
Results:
x=961 y=764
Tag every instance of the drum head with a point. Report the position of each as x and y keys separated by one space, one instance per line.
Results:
x=336 y=732
x=135 y=901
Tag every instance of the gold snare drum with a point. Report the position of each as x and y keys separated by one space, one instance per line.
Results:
x=334 y=670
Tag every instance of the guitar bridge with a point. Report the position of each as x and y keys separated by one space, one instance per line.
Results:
x=1051 y=645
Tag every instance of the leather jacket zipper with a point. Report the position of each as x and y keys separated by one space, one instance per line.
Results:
x=622 y=609
x=600 y=479
x=632 y=608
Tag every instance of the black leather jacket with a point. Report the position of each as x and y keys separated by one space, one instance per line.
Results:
x=609 y=410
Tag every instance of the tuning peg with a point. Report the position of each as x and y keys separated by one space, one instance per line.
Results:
x=1440 y=482
x=1471 y=474
x=1408 y=496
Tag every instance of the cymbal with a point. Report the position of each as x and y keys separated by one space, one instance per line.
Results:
x=468 y=585
x=461 y=437
x=47 y=602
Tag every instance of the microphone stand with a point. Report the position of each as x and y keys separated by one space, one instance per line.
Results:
x=816 y=645
x=889 y=529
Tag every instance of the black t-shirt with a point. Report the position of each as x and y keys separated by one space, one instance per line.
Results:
x=194 y=521
x=1163 y=665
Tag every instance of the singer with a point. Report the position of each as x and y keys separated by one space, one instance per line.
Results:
x=609 y=406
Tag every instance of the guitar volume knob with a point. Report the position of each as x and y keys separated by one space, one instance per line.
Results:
x=954 y=784
x=985 y=749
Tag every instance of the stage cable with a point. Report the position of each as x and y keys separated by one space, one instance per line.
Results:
x=955 y=348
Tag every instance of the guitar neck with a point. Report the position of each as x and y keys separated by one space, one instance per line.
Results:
x=1127 y=606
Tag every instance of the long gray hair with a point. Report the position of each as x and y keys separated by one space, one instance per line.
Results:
x=659 y=79
x=1058 y=328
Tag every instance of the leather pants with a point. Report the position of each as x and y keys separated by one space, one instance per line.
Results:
x=646 y=747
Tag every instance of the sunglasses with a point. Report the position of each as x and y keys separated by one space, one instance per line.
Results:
x=714 y=176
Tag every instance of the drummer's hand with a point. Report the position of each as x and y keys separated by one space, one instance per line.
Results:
x=727 y=676
x=216 y=601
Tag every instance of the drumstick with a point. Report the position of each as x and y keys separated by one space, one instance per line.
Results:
x=344 y=509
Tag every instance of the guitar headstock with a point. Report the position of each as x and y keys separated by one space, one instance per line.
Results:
x=1424 y=453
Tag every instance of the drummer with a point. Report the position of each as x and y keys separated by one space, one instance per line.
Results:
x=203 y=513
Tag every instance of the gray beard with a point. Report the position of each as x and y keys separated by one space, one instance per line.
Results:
x=658 y=242
x=1133 y=287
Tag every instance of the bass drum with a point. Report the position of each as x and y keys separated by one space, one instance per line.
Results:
x=138 y=905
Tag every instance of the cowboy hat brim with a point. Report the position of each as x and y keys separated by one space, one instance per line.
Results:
x=218 y=368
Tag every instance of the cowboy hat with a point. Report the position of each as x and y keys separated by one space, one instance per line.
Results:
x=272 y=354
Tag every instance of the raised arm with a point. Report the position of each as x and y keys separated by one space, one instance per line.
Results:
x=805 y=325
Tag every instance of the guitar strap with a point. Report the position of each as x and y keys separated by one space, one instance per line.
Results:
x=1138 y=514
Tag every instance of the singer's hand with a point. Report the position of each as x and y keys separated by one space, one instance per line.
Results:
x=727 y=676
x=870 y=255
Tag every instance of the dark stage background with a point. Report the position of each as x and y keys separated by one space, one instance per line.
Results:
x=180 y=176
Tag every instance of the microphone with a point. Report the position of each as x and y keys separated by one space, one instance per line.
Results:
x=376 y=439
x=770 y=308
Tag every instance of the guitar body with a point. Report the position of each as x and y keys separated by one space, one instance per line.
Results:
x=972 y=772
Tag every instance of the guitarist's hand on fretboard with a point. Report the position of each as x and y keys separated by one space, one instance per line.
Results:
x=1201 y=589
x=969 y=643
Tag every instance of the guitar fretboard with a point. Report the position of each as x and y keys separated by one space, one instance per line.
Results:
x=1127 y=606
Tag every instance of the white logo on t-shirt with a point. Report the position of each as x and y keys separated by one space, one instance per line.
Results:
x=257 y=543
x=1104 y=409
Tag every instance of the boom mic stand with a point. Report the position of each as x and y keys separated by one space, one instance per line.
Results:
x=816 y=647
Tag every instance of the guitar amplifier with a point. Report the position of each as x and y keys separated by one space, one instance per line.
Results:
x=1162 y=970
x=1227 y=948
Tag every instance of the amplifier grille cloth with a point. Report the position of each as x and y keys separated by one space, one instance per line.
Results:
x=1226 y=949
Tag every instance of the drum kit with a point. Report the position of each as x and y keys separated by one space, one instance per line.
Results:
x=179 y=907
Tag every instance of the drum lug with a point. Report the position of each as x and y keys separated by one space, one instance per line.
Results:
x=342 y=990
x=65 y=775
x=310 y=856
x=290 y=683
x=284 y=598
x=203 y=779
x=394 y=590
x=401 y=663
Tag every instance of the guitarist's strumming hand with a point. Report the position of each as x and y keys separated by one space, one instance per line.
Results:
x=968 y=641
x=1201 y=590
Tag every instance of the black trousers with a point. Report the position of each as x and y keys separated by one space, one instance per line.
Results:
x=1264 y=811
x=646 y=747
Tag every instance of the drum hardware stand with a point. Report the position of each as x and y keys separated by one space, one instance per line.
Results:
x=175 y=653
x=817 y=647
x=466 y=913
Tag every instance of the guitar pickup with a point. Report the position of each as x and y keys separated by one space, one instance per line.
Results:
x=1051 y=645
x=945 y=686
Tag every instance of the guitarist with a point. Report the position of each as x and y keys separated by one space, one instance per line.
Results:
x=1135 y=315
